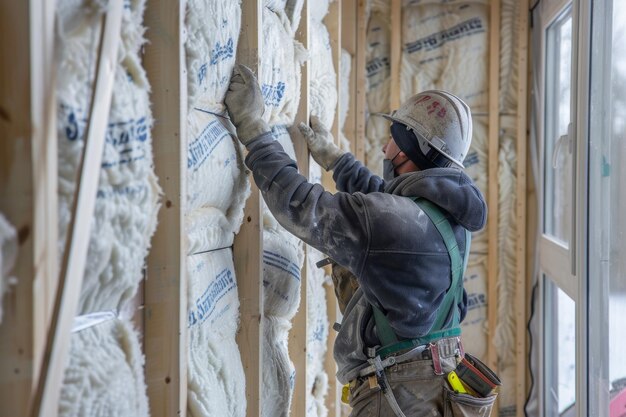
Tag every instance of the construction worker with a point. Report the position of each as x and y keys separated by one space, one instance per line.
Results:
x=405 y=238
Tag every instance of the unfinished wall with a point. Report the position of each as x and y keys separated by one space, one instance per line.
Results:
x=446 y=45
x=104 y=375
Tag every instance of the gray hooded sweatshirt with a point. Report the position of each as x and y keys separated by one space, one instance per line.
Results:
x=380 y=235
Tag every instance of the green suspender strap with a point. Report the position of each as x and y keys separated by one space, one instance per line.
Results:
x=388 y=338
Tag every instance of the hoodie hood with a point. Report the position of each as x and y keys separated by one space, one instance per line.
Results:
x=450 y=189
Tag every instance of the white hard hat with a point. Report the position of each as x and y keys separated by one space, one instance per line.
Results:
x=441 y=121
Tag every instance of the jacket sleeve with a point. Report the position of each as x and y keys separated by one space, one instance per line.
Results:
x=335 y=224
x=352 y=176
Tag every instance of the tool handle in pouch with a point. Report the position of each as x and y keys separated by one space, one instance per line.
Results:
x=455 y=383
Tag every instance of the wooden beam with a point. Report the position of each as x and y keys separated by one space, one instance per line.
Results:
x=298 y=333
x=46 y=398
x=493 y=189
x=248 y=246
x=521 y=278
x=361 y=78
x=28 y=181
x=165 y=291
x=333 y=397
x=396 y=53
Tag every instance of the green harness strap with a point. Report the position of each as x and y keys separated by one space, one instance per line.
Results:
x=388 y=338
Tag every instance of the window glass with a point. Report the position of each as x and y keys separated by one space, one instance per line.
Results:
x=560 y=350
x=558 y=158
x=607 y=218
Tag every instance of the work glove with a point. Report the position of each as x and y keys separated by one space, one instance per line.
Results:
x=245 y=105
x=320 y=143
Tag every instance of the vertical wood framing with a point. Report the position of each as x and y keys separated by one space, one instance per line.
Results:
x=165 y=289
x=493 y=189
x=396 y=53
x=333 y=397
x=298 y=333
x=28 y=181
x=521 y=277
x=248 y=246
x=361 y=78
x=58 y=339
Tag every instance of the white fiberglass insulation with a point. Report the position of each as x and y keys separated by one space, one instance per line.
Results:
x=474 y=325
x=215 y=170
x=212 y=28
x=282 y=262
x=378 y=85
x=509 y=52
x=8 y=255
x=445 y=46
x=317 y=335
x=216 y=380
x=323 y=87
x=105 y=375
x=280 y=68
x=217 y=188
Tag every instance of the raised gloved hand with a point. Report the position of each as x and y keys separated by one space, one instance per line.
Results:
x=245 y=105
x=320 y=143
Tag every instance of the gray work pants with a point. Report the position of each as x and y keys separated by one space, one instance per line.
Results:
x=419 y=392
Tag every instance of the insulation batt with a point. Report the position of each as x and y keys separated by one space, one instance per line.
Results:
x=207 y=229
x=283 y=257
x=216 y=380
x=378 y=86
x=439 y=38
x=8 y=255
x=105 y=375
x=474 y=326
x=277 y=369
x=323 y=89
x=126 y=203
x=280 y=69
x=317 y=335
x=282 y=260
x=212 y=28
x=215 y=171
x=344 y=96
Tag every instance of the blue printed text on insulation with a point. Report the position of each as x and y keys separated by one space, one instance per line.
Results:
x=377 y=65
x=471 y=159
x=273 y=94
x=204 y=305
x=201 y=147
x=223 y=52
x=476 y=300
x=278 y=261
x=127 y=138
x=436 y=40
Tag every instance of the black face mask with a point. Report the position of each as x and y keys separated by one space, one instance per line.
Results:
x=389 y=169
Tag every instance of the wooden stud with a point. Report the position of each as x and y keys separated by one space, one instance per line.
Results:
x=333 y=397
x=298 y=333
x=493 y=189
x=248 y=246
x=28 y=181
x=46 y=398
x=520 y=276
x=165 y=292
x=396 y=53
x=361 y=78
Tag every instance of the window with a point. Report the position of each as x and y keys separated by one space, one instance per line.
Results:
x=607 y=217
